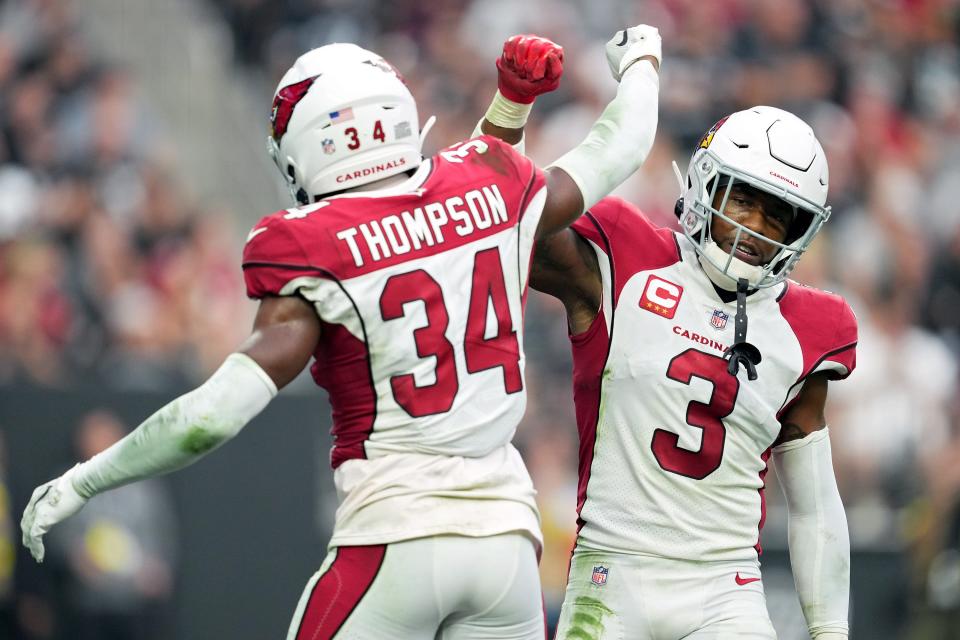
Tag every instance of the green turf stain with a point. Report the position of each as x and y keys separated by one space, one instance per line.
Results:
x=587 y=620
x=199 y=440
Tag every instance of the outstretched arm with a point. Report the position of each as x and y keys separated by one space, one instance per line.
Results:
x=286 y=330
x=818 y=537
x=620 y=139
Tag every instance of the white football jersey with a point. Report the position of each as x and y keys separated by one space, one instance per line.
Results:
x=673 y=448
x=419 y=289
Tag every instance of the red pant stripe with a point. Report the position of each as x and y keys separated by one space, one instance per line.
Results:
x=339 y=591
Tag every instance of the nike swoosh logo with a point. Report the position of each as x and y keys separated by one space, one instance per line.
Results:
x=743 y=581
x=255 y=232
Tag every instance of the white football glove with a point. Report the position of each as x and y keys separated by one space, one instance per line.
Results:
x=51 y=502
x=629 y=45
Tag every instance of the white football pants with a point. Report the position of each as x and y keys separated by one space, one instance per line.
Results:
x=612 y=596
x=438 y=588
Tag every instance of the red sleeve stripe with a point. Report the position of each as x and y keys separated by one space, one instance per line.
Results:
x=845 y=361
x=525 y=198
x=829 y=356
x=339 y=591
x=812 y=369
x=264 y=279
x=588 y=364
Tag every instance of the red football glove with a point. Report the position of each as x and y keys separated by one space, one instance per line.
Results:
x=530 y=65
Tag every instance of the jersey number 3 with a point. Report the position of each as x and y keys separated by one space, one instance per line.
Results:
x=502 y=350
x=704 y=415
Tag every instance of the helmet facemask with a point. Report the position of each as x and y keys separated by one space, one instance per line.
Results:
x=723 y=266
x=772 y=152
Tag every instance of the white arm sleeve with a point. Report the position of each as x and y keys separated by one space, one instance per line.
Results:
x=620 y=140
x=818 y=537
x=183 y=431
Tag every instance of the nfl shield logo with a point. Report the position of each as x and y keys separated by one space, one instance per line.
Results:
x=328 y=146
x=719 y=319
x=600 y=575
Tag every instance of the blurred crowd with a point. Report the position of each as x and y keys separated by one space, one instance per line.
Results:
x=108 y=271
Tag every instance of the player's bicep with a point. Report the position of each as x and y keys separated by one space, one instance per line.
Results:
x=285 y=334
x=806 y=414
x=564 y=202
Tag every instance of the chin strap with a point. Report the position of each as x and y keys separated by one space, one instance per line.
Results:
x=742 y=351
x=432 y=120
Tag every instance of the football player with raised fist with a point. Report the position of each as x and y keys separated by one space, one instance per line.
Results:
x=403 y=278
x=679 y=410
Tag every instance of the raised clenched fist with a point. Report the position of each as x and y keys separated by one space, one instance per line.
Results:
x=529 y=66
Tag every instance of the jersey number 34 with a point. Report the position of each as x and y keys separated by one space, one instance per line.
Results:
x=488 y=288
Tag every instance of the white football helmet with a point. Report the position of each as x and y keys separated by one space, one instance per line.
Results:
x=771 y=150
x=342 y=117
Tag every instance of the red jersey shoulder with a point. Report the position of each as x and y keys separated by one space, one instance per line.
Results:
x=487 y=162
x=627 y=236
x=486 y=157
x=282 y=246
x=272 y=241
x=623 y=224
x=825 y=326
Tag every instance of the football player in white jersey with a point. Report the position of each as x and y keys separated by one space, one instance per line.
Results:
x=404 y=278
x=678 y=413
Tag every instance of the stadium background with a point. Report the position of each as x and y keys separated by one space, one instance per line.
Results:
x=132 y=164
